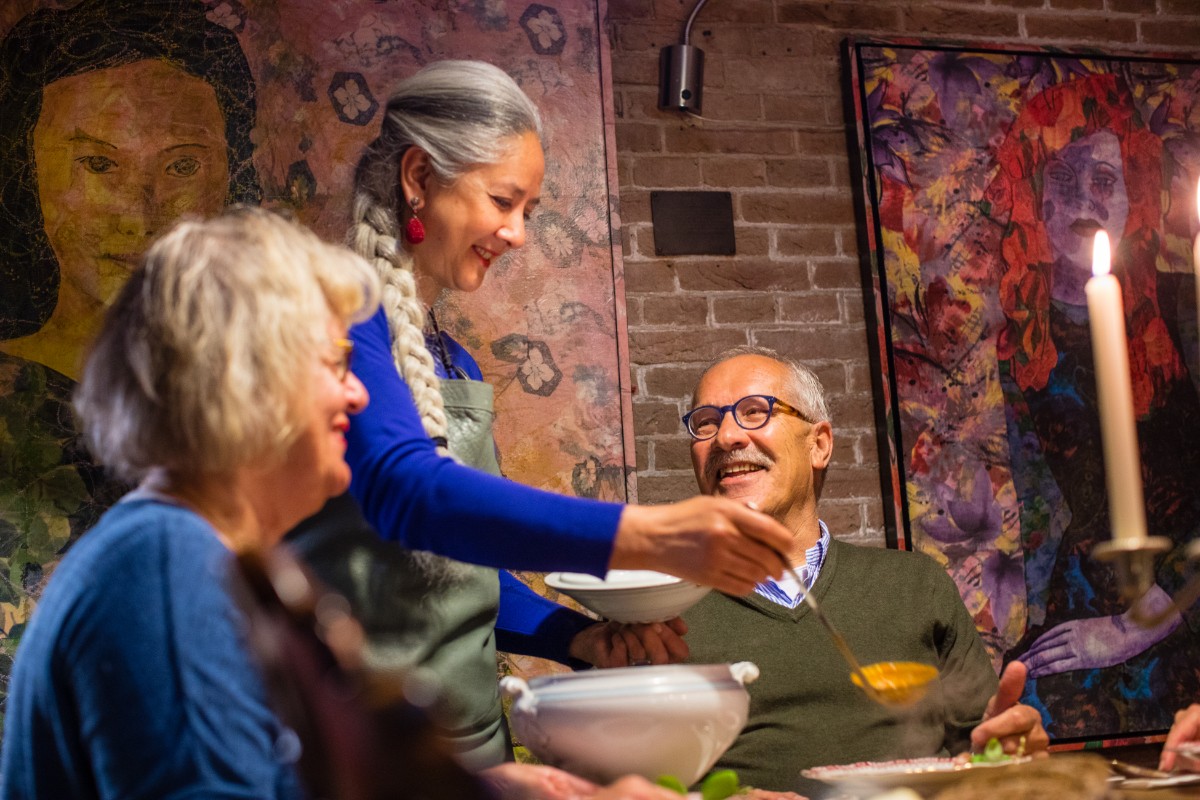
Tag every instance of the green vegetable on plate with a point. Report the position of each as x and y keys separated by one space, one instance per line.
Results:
x=672 y=783
x=718 y=785
x=993 y=753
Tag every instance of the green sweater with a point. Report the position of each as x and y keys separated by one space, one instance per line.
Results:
x=804 y=711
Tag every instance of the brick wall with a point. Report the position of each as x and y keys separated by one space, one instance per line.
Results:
x=773 y=135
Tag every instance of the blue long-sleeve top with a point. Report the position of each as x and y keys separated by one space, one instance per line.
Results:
x=133 y=678
x=425 y=501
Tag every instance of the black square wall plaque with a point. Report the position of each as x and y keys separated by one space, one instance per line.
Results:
x=692 y=223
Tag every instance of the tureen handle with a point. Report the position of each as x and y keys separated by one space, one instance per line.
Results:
x=523 y=697
x=744 y=672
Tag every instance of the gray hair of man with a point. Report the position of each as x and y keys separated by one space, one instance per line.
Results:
x=205 y=360
x=807 y=393
x=463 y=114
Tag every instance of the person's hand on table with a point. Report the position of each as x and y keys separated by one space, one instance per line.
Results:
x=634 y=787
x=1186 y=729
x=513 y=781
x=712 y=541
x=612 y=644
x=1011 y=722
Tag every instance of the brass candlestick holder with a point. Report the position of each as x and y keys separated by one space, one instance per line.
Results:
x=1133 y=561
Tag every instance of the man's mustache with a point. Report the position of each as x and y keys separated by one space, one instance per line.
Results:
x=719 y=461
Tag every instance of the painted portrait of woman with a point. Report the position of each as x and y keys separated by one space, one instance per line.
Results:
x=1078 y=159
x=989 y=173
x=118 y=118
x=120 y=115
x=995 y=170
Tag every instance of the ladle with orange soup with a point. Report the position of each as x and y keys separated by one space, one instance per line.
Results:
x=889 y=683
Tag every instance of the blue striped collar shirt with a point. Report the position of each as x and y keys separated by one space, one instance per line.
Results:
x=785 y=591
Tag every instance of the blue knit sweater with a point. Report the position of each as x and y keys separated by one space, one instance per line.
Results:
x=133 y=681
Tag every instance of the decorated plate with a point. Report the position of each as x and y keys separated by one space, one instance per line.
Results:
x=924 y=775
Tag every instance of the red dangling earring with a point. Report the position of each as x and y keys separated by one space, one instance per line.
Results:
x=414 y=229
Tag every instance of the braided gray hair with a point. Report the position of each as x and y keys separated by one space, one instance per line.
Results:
x=463 y=114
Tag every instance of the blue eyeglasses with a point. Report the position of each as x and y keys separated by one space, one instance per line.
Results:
x=751 y=413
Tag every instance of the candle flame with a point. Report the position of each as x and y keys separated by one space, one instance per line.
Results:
x=1101 y=257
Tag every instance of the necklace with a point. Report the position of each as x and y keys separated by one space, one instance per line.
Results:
x=437 y=346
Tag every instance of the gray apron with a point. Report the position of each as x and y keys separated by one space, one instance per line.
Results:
x=423 y=613
x=464 y=613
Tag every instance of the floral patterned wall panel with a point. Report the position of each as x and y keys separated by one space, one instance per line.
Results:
x=183 y=106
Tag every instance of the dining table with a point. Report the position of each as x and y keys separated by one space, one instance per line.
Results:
x=1170 y=793
x=1059 y=776
x=1129 y=758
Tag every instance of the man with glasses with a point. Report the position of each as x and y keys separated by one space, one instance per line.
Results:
x=761 y=434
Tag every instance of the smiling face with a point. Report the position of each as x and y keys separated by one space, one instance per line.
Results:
x=476 y=219
x=315 y=467
x=1083 y=191
x=774 y=466
x=119 y=153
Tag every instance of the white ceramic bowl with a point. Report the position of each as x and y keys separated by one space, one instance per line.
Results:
x=626 y=595
x=650 y=721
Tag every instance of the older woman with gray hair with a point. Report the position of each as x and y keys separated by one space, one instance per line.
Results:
x=220 y=385
x=440 y=196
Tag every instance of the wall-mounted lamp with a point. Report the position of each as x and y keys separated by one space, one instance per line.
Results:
x=681 y=72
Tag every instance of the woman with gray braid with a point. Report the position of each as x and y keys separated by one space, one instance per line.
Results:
x=443 y=192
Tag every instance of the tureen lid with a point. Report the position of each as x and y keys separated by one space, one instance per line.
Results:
x=642 y=680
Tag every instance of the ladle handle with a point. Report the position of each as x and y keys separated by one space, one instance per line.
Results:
x=838 y=641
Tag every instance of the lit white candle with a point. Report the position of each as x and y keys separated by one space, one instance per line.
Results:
x=1110 y=348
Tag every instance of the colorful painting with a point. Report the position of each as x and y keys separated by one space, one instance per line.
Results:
x=985 y=174
x=121 y=115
